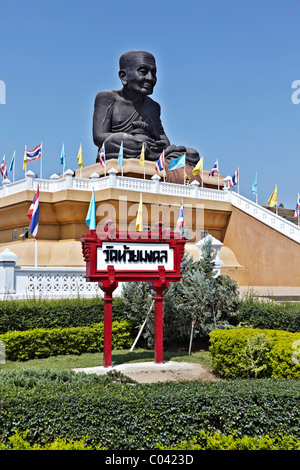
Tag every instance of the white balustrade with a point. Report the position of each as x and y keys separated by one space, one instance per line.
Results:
x=265 y=216
x=154 y=185
x=21 y=282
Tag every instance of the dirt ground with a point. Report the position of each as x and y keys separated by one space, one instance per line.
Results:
x=149 y=372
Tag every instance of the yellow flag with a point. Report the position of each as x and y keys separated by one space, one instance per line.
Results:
x=198 y=167
x=142 y=157
x=25 y=161
x=139 y=218
x=273 y=198
x=80 y=158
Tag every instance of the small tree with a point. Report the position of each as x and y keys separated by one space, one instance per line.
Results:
x=201 y=302
x=207 y=261
x=193 y=307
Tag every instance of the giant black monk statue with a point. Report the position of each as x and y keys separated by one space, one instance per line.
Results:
x=130 y=116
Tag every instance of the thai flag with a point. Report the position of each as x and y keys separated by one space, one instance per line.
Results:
x=235 y=179
x=180 y=221
x=3 y=169
x=33 y=214
x=297 y=210
x=160 y=164
x=34 y=154
x=214 y=170
x=101 y=156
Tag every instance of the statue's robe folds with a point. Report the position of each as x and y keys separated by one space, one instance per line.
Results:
x=118 y=120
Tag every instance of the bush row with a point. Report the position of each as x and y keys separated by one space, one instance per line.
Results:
x=18 y=441
x=250 y=352
x=40 y=342
x=203 y=441
x=267 y=314
x=29 y=314
x=141 y=416
x=35 y=313
x=218 y=441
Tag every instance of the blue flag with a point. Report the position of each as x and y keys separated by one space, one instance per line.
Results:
x=254 y=185
x=120 y=157
x=12 y=162
x=91 y=215
x=177 y=163
x=63 y=156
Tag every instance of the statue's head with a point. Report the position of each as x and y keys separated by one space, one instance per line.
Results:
x=138 y=72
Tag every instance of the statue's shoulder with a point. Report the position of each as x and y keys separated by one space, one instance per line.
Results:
x=107 y=96
x=153 y=105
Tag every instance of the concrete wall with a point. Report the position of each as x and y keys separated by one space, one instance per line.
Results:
x=271 y=259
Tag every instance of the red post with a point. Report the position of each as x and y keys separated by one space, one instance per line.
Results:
x=108 y=286
x=158 y=324
x=107 y=339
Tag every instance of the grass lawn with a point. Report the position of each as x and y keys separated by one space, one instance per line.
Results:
x=118 y=357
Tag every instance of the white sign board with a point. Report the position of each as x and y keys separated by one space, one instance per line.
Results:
x=135 y=256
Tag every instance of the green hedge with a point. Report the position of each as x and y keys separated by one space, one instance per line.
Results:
x=141 y=416
x=218 y=441
x=250 y=352
x=267 y=314
x=203 y=441
x=24 y=315
x=18 y=442
x=38 y=343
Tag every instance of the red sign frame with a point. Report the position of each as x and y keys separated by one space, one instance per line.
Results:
x=108 y=279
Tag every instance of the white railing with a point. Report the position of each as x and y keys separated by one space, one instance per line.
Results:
x=21 y=282
x=267 y=217
x=153 y=185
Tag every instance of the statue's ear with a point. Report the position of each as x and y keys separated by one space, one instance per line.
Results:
x=123 y=77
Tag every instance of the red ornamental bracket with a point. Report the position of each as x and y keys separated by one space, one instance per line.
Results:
x=114 y=256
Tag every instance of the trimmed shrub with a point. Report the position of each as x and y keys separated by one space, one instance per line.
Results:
x=131 y=417
x=39 y=343
x=21 y=315
x=267 y=314
x=218 y=441
x=250 y=352
x=204 y=441
x=18 y=442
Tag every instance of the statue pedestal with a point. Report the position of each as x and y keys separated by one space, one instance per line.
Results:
x=133 y=169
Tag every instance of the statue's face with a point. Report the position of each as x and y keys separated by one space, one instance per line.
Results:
x=139 y=74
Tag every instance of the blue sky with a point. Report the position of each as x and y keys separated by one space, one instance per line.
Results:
x=225 y=74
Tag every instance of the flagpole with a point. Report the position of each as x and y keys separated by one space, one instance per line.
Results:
x=41 y=166
x=256 y=190
x=26 y=159
x=276 y=200
x=238 y=180
x=81 y=166
x=63 y=161
x=35 y=254
x=14 y=166
x=3 y=177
